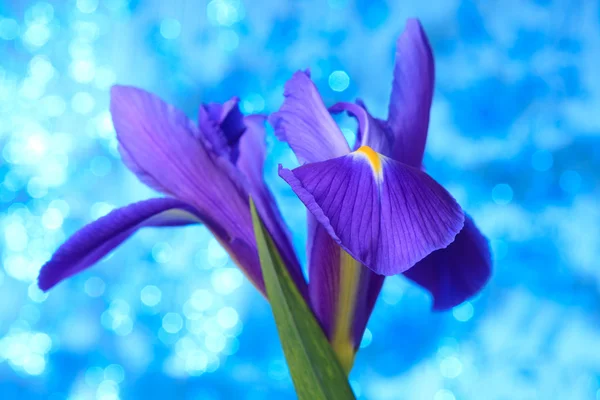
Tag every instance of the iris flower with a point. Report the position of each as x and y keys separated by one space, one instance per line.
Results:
x=373 y=212
x=207 y=171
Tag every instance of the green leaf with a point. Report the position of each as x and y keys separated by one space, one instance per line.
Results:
x=313 y=364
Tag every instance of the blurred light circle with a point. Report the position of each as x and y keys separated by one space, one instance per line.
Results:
x=196 y=361
x=15 y=236
x=502 y=194
x=444 y=394
x=215 y=343
x=37 y=188
x=94 y=287
x=40 y=343
x=451 y=367
x=227 y=317
x=202 y=299
x=278 y=370
x=542 y=160
x=34 y=364
x=100 y=209
x=228 y=40
x=93 y=376
x=570 y=181
x=41 y=69
x=150 y=295
x=170 y=28
x=366 y=339
x=52 y=219
x=115 y=373
x=339 y=81
x=9 y=29
x=82 y=71
x=36 y=294
x=87 y=6
x=226 y=280
x=36 y=35
x=107 y=390
x=162 y=252
x=172 y=322
x=463 y=312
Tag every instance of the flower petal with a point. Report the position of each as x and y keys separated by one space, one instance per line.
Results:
x=252 y=153
x=98 y=238
x=222 y=125
x=372 y=132
x=412 y=92
x=162 y=147
x=385 y=214
x=305 y=124
x=456 y=273
x=342 y=291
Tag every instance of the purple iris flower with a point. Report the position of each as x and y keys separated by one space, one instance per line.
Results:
x=373 y=211
x=208 y=171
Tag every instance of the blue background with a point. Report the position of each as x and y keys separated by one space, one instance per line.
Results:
x=513 y=135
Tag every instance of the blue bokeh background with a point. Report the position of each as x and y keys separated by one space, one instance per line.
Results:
x=514 y=136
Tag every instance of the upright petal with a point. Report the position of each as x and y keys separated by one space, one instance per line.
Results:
x=98 y=238
x=162 y=146
x=305 y=124
x=342 y=291
x=222 y=125
x=458 y=272
x=371 y=132
x=412 y=92
x=251 y=159
x=384 y=213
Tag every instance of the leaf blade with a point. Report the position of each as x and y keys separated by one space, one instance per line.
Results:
x=313 y=365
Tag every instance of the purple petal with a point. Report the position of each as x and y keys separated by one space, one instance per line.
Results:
x=323 y=274
x=161 y=146
x=412 y=92
x=342 y=291
x=385 y=214
x=98 y=238
x=458 y=272
x=305 y=124
x=372 y=132
x=222 y=125
x=252 y=153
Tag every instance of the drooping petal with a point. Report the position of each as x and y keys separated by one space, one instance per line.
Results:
x=456 y=273
x=163 y=147
x=305 y=124
x=222 y=125
x=412 y=92
x=98 y=238
x=384 y=213
x=252 y=153
x=371 y=132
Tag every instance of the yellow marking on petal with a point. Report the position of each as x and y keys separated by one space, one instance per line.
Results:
x=342 y=340
x=372 y=156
